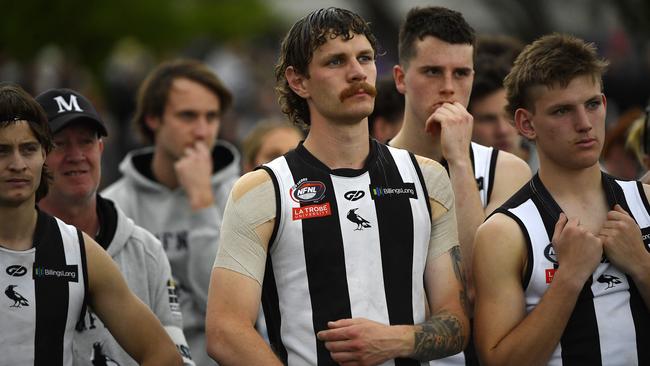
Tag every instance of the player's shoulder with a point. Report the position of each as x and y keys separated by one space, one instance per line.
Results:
x=511 y=164
x=249 y=181
x=430 y=165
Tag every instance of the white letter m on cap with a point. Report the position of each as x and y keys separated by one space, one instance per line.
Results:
x=63 y=106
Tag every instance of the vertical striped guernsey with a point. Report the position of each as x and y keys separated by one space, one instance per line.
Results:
x=44 y=289
x=610 y=324
x=347 y=243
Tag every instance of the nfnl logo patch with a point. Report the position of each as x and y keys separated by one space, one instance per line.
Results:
x=65 y=273
x=307 y=191
x=312 y=211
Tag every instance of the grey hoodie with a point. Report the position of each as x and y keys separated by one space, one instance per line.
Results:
x=144 y=265
x=190 y=238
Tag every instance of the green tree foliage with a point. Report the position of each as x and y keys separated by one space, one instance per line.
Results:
x=90 y=28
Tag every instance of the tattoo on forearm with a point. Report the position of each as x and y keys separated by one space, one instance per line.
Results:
x=438 y=337
x=457 y=262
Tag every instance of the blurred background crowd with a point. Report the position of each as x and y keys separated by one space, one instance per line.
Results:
x=104 y=49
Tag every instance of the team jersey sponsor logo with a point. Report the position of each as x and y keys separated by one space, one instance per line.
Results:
x=306 y=191
x=312 y=211
x=549 y=253
x=16 y=297
x=355 y=218
x=645 y=236
x=354 y=195
x=550 y=273
x=406 y=189
x=16 y=270
x=69 y=273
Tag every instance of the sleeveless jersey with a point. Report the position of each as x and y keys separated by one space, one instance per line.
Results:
x=484 y=163
x=44 y=289
x=610 y=324
x=346 y=243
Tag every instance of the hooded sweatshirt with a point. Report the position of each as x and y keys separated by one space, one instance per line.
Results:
x=144 y=265
x=190 y=238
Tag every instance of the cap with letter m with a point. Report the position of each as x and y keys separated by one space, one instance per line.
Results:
x=65 y=106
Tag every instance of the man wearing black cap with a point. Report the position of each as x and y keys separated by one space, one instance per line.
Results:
x=51 y=270
x=75 y=164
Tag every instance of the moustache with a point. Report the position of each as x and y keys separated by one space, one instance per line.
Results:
x=354 y=89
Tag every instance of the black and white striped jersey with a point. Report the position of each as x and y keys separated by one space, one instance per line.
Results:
x=484 y=163
x=44 y=289
x=610 y=324
x=347 y=243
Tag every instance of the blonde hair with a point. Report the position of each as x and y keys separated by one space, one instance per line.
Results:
x=634 y=140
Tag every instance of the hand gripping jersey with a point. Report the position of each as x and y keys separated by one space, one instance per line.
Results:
x=347 y=243
x=610 y=324
x=44 y=289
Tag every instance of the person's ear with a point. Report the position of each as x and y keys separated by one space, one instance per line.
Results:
x=398 y=76
x=152 y=122
x=296 y=81
x=524 y=123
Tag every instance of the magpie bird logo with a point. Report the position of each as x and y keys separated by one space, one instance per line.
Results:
x=99 y=358
x=609 y=280
x=18 y=299
x=355 y=218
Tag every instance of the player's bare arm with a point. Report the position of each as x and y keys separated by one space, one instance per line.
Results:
x=446 y=332
x=510 y=175
x=129 y=320
x=234 y=295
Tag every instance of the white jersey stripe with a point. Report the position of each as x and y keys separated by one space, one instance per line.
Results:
x=420 y=237
x=288 y=259
x=362 y=253
x=72 y=251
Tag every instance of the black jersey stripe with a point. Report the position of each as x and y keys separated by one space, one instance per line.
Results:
x=84 y=270
x=271 y=307
x=641 y=319
x=422 y=182
x=395 y=223
x=493 y=169
x=580 y=343
x=51 y=296
x=324 y=258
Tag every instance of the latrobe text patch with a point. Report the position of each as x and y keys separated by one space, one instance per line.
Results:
x=311 y=211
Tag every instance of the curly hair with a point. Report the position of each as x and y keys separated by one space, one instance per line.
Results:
x=298 y=47
x=552 y=59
